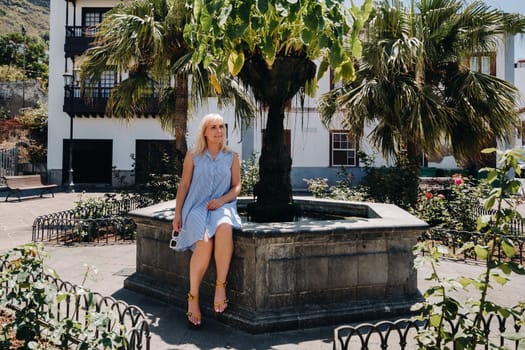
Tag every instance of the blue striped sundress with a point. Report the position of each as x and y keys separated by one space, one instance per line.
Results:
x=211 y=179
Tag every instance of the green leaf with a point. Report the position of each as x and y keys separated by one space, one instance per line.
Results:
x=307 y=36
x=311 y=22
x=336 y=55
x=490 y=202
x=516 y=268
x=311 y=87
x=197 y=5
x=206 y=21
x=262 y=5
x=492 y=175
x=347 y=71
x=481 y=252
x=434 y=320
x=505 y=268
x=508 y=247
x=61 y=297
x=502 y=280
x=465 y=281
x=323 y=67
x=324 y=41
x=357 y=48
x=268 y=50
x=235 y=62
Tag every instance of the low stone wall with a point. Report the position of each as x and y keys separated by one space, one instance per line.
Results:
x=17 y=94
x=296 y=274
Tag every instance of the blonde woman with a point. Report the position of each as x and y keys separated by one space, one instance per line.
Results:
x=206 y=211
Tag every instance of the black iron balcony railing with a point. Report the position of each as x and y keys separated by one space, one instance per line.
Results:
x=92 y=101
x=78 y=39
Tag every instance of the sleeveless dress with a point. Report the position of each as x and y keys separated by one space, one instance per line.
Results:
x=211 y=179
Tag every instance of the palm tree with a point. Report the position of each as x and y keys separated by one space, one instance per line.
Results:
x=273 y=46
x=145 y=39
x=414 y=84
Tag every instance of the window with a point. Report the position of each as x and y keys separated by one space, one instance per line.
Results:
x=484 y=63
x=343 y=149
x=103 y=88
x=107 y=82
x=91 y=17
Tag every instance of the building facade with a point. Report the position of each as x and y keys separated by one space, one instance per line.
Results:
x=87 y=147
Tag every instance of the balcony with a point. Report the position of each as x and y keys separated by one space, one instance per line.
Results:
x=91 y=102
x=78 y=39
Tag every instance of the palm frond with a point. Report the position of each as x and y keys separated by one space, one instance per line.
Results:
x=131 y=97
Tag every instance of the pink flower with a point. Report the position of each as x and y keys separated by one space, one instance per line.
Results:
x=458 y=180
x=428 y=195
x=441 y=196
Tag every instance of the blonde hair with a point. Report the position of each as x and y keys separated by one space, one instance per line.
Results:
x=200 y=142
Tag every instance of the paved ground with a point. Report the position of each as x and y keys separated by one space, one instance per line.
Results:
x=115 y=262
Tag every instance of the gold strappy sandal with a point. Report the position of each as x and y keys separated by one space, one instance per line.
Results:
x=218 y=304
x=190 y=315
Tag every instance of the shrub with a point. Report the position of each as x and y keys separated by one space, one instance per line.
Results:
x=162 y=187
x=440 y=308
x=249 y=175
x=111 y=207
x=454 y=206
x=9 y=73
x=395 y=185
x=30 y=296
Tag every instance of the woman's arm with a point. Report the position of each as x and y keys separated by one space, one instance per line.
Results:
x=182 y=191
x=235 y=188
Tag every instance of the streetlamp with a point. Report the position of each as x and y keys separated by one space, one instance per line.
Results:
x=24 y=65
x=68 y=91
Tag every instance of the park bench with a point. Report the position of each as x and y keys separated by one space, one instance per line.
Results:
x=19 y=183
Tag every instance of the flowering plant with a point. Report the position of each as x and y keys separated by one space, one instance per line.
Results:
x=453 y=206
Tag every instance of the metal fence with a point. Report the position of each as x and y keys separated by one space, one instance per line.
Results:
x=8 y=163
x=516 y=226
x=103 y=223
x=454 y=240
x=128 y=320
x=401 y=334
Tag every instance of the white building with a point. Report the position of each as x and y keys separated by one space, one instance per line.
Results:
x=112 y=152
x=519 y=81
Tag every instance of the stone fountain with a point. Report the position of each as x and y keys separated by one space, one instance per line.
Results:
x=290 y=275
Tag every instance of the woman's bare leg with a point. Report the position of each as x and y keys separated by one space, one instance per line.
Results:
x=223 y=256
x=200 y=259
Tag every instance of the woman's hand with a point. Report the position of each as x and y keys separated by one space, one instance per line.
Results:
x=177 y=223
x=214 y=204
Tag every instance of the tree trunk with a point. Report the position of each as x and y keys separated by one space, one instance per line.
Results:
x=414 y=155
x=275 y=86
x=274 y=189
x=181 y=121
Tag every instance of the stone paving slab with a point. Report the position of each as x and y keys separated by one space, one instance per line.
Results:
x=114 y=262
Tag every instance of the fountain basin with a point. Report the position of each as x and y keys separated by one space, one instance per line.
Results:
x=294 y=274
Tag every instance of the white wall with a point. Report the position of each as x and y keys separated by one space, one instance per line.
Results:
x=58 y=120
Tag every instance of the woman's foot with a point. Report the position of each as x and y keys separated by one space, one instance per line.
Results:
x=220 y=303
x=194 y=312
